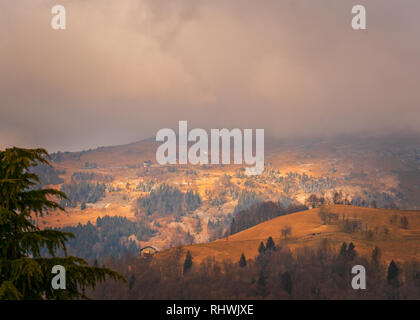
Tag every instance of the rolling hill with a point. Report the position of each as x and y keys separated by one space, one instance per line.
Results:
x=307 y=230
x=371 y=172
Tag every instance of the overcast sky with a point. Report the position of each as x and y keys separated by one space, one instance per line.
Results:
x=124 y=69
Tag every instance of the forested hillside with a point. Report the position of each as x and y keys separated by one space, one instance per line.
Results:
x=82 y=193
x=166 y=199
x=261 y=212
x=323 y=272
x=110 y=236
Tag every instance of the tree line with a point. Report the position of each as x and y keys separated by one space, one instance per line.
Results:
x=166 y=199
x=110 y=236
x=82 y=192
x=261 y=212
x=87 y=176
x=321 y=272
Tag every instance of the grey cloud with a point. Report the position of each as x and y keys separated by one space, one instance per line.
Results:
x=124 y=69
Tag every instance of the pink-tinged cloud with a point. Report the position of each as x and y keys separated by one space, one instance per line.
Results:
x=124 y=69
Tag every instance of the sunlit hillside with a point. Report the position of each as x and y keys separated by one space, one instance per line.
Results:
x=307 y=230
x=368 y=172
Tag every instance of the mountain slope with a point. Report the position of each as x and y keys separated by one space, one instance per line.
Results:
x=307 y=230
x=370 y=172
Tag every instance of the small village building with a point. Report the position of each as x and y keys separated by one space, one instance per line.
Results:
x=148 y=251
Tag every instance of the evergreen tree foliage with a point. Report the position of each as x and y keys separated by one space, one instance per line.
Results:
x=24 y=272
x=242 y=261
x=192 y=200
x=286 y=282
x=131 y=281
x=351 y=252
x=246 y=199
x=393 y=273
x=282 y=274
x=83 y=192
x=167 y=199
x=261 y=248
x=109 y=236
x=270 y=244
x=188 y=262
x=262 y=282
x=260 y=212
x=343 y=249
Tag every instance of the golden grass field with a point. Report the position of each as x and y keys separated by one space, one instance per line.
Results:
x=307 y=230
x=71 y=217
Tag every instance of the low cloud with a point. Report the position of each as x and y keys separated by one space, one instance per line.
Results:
x=124 y=69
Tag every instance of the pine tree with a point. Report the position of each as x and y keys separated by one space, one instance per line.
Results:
x=393 y=273
x=270 y=244
x=242 y=261
x=351 y=252
x=262 y=282
x=261 y=248
x=24 y=272
x=286 y=282
x=262 y=279
x=343 y=249
x=131 y=281
x=188 y=262
x=233 y=226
